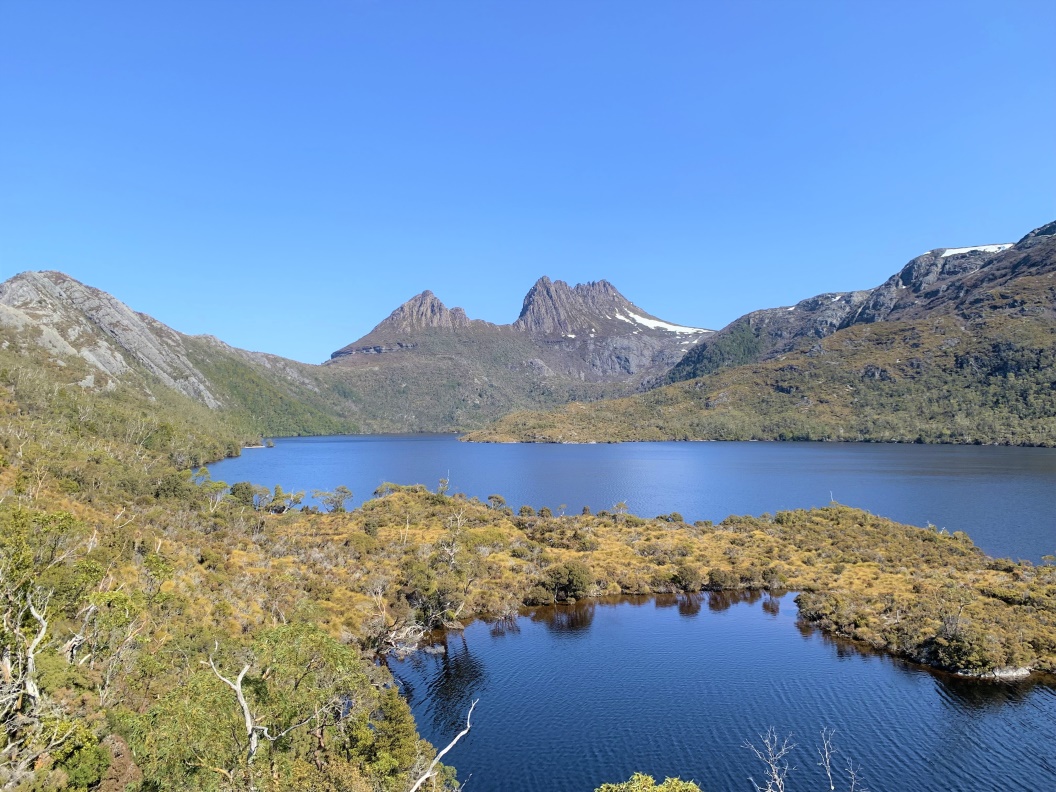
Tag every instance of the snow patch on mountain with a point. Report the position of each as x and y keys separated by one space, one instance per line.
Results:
x=981 y=248
x=657 y=324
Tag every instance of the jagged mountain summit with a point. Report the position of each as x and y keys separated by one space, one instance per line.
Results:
x=439 y=368
x=588 y=333
x=554 y=308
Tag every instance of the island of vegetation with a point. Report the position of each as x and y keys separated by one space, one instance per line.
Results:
x=163 y=631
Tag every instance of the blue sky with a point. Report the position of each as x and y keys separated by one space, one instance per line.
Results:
x=282 y=175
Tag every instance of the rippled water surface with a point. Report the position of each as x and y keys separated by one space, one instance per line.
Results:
x=571 y=697
x=1003 y=498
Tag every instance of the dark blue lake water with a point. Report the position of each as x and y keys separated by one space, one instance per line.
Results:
x=575 y=696
x=571 y=697
x=1004 y=498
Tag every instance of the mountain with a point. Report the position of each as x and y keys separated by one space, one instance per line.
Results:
x=958 y=346
x=424 y=368
x=438 y=369
x=589 y=332
x=935 y=282
x=83 y=336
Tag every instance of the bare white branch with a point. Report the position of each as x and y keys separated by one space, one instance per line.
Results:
x=431 y=770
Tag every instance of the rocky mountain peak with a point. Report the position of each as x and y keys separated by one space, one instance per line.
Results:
x=555 y=308
x=422 y=312
x=1049 y=229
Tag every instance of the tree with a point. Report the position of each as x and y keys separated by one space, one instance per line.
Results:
x=281 y=502
x=570 y=580
x=334 y=501
x=772 y=754
x=431 y=771
x=643 y=783
x=296 y=685
x=30 y=731
x=243 y=493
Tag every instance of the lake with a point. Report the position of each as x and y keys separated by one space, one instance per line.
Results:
x=1001 y=497
x=573 y=696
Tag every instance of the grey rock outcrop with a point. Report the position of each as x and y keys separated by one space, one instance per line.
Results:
x=422 y=312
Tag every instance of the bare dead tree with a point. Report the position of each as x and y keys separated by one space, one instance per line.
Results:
x=826 y=752
x=854 y=778
x=28 y=728
x=431 y=770
x=772 y=754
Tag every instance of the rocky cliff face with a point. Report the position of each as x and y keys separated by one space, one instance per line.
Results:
x=422 y=313
x=101 y=344
x=554 y=308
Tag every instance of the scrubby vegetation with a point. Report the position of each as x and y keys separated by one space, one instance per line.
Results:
x=165 y=631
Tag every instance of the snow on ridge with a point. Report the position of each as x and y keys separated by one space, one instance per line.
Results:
x=983 y=248
x=656 y=324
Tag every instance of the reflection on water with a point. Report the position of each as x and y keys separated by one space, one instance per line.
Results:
x=689 y=604
x=507 y=625
x=719 y=601
x=566 y=619
x=772 y=605
x=454 y=682
x=967 y=695
x=644 y=688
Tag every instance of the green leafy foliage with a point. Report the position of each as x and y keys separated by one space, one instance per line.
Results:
x=643 y=783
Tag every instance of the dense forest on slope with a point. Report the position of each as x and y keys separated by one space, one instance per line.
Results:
x=165 y=631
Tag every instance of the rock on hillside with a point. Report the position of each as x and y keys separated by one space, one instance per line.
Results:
x=91 y=335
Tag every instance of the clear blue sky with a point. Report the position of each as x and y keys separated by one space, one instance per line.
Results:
x=284 y=174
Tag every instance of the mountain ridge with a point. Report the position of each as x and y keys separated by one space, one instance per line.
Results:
x=958 y=346
x=926 y=283
x=451 y=372
x=550 y=308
